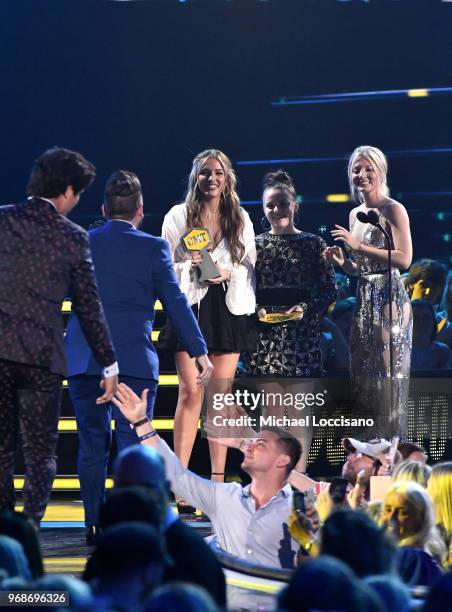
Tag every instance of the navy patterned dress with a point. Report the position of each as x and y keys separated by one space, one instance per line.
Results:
x=290 y=269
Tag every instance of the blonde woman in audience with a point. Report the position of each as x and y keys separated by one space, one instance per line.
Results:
x=412 y=471
x=440 y=491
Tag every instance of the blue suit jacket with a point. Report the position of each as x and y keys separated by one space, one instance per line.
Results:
x=133 y=269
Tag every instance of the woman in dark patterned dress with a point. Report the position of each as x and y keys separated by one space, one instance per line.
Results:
x=290 y=272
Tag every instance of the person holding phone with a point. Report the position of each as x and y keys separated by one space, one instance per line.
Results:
x=223 y=304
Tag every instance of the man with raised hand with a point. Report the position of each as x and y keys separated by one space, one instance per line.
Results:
x=250 y=522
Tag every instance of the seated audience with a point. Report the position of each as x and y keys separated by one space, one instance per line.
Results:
x=354 y=538
x=326 y=583
x=141 y=465
x=439 y=597
x=408 y=516
x=19 y=526
x=392 y=592
x=412 y=451
x=412 y=471
x=180 y=597
x=79 y=593
x=13 y=562
x=440 y=491
x=251 y=521
x=127 y=565
x=427 y=353
x=425 y=281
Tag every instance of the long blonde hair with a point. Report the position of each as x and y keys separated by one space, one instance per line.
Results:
x=231 y=218
x=378 y=160
x=440 y=491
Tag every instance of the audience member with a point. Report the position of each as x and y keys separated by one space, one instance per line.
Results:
x=326 y=583
x=440 y=490
x=12 y=559
x=355 y=539
x=412 y=451
x=127 y=565
x=141 y=465
x=250 y=522
x=408 y=516
x=180 y=597
x=79 y=593
x=427 y=353
x=19 y=526
x=412 y=471
x=439 y=597
x=426 y=280
x=392 y=592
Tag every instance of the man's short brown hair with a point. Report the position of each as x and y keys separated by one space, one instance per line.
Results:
x=288 y=444
x=123 y=195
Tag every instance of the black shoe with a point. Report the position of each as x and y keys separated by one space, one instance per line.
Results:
x=92 y=535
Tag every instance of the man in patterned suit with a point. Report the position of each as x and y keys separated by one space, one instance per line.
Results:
x=43 y=258
x=133 y=269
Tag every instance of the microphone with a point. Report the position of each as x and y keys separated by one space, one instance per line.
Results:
x=361 y=216
x=371 y=217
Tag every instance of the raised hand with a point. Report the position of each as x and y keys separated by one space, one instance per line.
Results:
x=334 y=255
x=128 y=402
x=341 y=234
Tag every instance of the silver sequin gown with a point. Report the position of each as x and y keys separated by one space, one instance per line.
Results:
x=370 y=346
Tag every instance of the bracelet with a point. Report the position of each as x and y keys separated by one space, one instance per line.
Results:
x=151 y=434
x=138 y=423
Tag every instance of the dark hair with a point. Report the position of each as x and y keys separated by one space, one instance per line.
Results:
x=427 y=269
x=288 y=444
x=180 y=597
x=123 y=195
x=57 y=169
x=280 y=179
x=354 y=538
x=431 y=310
x=18 y=525
x=325 y=583
x=406 y=448
x=131 y=504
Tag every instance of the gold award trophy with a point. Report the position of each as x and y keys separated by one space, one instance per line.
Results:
x=198 y=239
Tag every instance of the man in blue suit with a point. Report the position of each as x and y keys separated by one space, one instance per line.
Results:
x=133 y=269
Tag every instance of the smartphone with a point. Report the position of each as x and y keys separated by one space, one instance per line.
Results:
x=298 y=502
x=338 y=490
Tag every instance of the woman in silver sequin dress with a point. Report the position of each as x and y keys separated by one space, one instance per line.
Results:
x=370 y=336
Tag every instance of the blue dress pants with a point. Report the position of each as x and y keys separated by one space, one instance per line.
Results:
x=94 y=430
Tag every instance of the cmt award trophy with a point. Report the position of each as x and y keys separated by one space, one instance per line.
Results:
x=198 y=239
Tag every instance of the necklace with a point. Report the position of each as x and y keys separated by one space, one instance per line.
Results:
x=209 y=214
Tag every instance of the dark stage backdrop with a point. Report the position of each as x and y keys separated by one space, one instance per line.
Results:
x=146 y=85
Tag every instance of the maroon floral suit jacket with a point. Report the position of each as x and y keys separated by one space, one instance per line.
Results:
x=44 y=257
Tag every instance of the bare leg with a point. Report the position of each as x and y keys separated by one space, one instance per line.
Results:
x=223 y=375
x=188 y=407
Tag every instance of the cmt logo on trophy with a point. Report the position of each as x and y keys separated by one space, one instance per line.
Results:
x=198 y=239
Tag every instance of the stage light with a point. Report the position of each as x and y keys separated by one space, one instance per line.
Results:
x=335 y=198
